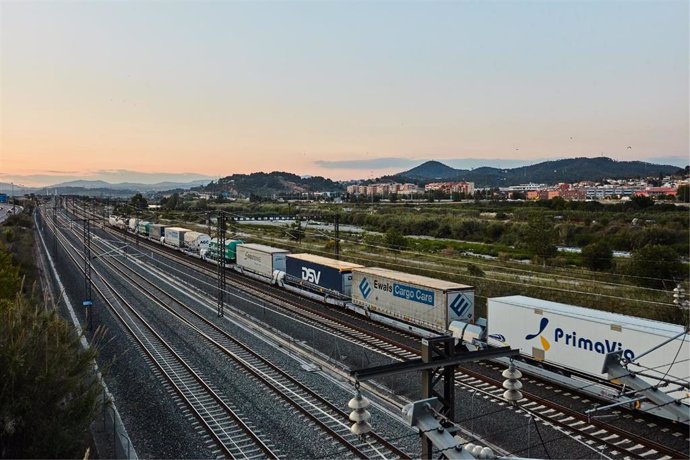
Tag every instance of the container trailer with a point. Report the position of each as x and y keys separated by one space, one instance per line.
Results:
x=156 y=231
x=578 y=338
x=230 y=250
x=320 y=274
x=426 y=302
x=260 y=259
x=196 y=241
x=174 y=236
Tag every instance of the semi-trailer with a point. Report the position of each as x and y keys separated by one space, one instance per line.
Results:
x=426 y=302
x=196 y=241
x=174 y=236
x=156 y=231
x=320 y=274
x=261 y=260
x=578 y=339
x=214 y=249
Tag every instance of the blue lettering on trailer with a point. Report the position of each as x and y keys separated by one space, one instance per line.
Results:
x=365 y=287
x=413 y=294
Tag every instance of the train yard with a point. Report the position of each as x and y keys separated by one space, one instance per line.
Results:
x=269 y=378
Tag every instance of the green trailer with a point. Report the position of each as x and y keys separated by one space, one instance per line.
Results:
x=230 y=250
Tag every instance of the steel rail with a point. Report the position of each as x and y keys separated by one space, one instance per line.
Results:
x=249 y=433
x=252 y=369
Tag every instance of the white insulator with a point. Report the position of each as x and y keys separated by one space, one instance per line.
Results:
x=487 y=453
x=476 y=451
x=512 y=385
x=469 y=447
x=512 y=373
x=512 y=395
x=360 y=428
x=358 y=402
x=360 y=415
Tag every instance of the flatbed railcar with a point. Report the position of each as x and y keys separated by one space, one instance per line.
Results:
x=426 y=307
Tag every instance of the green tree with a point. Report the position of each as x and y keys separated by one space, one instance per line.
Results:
x=641 y=202
x=172 y=202
x=10 y=280
x=657 y=267
x=683 y=193
x=540 y=238
x=394 y=239
x=138 y=201
x=597 y=256
x=296 y=231
x=48 y=397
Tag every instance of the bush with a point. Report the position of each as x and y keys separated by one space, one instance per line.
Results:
x=597 y=256
x=474 y=270
x=656 y=267
x=48 y=397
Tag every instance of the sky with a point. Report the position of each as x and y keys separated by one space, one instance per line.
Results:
x=158 y=90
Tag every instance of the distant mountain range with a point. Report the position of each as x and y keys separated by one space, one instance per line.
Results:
x=157 y=187
x=548 y=172
x=103 y=188
x=286 y=184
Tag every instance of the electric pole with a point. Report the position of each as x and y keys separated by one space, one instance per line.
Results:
x=88 y=303
x=221 y=263
x=337 y=236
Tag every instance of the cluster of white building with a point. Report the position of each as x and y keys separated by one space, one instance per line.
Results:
x=410 y=189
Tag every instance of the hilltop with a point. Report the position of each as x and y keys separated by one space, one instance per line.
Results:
x=548 y=172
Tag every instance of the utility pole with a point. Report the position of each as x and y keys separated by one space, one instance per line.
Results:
x=87 y=303
x=221 y=263
x=337 y=236
x=136 y=227
x=55 y=229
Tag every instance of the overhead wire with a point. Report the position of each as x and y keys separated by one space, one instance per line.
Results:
x=551 y=288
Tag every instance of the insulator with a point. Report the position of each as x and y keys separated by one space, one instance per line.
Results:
x=469 y=447
x=512 y=373
x=512 y=395
x=512 y=385
x=360 y=415
x=360 y=428
x=476 y=451
x=358 y=402
x=486 y=453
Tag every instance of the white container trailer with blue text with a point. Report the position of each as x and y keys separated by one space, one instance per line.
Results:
x=578 y=338
x=413 y=299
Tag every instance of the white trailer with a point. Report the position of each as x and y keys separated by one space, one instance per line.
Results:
x=132 y=224
x=426 y=302
x=196 y=241
x=261 y=260
x=174 y=236
x=578 y=339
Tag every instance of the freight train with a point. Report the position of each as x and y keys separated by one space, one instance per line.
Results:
x=562 y=343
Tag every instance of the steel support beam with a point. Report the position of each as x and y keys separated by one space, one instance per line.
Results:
x=221 y=263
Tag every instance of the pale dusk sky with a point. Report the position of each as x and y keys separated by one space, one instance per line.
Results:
x=351 y=89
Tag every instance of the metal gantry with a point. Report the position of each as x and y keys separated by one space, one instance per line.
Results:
x=438 y=362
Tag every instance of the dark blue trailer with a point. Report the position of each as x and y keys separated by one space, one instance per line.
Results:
x=320 y=274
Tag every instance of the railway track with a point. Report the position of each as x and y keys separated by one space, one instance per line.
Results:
x=317 y=410
x=605 y=438
x=223 y=423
